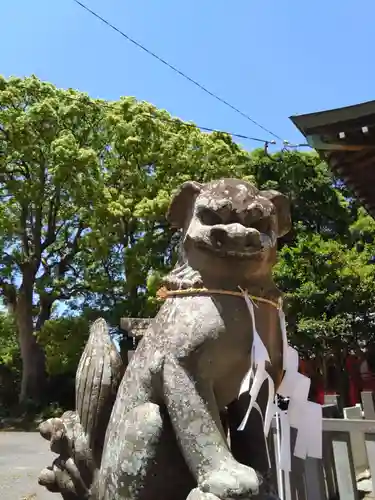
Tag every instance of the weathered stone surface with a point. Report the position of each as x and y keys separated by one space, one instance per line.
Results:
x=165 y=438
x=78 y=436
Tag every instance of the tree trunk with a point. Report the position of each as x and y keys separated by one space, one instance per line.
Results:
x=33 y=369
x=32 y=354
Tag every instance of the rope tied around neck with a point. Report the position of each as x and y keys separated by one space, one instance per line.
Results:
x=163 y=293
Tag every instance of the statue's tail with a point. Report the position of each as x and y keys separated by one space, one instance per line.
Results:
x=99 y=374
x=78 y=436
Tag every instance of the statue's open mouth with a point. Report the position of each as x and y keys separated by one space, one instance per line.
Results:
x=248 y=253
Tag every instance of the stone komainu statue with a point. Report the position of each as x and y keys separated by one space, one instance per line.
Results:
x=158 y=431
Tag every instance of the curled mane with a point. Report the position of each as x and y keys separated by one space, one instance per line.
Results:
x=182 y=276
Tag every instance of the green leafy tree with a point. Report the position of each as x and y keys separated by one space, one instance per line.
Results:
x=320 y=204
x=330 y=294
x=325 y=262
x=148 y=157
x=10 y=362
x=363 y=233
x=50 y=142
x=330 y=302
x=8 y=340
x=84 y=186
x=63 y=340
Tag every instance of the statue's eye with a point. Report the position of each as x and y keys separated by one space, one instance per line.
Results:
x=253 y=216
x=209 y=218
x=262 y=225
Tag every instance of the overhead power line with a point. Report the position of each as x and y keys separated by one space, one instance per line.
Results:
x=176 y=70
x=207 y=129
x=180 y=122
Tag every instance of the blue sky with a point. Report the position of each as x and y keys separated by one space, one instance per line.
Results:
x=270 y=58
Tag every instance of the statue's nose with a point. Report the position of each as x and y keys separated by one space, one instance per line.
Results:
x=252 y=239
x=219 y=236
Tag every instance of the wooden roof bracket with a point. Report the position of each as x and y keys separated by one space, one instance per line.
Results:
x=316 y=142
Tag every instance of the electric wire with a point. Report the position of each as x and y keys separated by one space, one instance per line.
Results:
x=182 y=123
x=176 y=70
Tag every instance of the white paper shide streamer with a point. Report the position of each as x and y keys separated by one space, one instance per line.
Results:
x=303 y=415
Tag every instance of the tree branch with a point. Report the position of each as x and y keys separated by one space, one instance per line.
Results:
x=45 y=310
x=66 y=261
x=25 y=238
x=51 y=235
x=37 y=228
x=69 y=293
x=27 y=170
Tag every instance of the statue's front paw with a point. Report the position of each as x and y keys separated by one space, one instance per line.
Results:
x=60 y=432
x=47 y=478
x=231 y=480
x=57 y=479
x=51 y=428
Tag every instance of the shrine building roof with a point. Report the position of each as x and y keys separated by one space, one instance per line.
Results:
x=345 y=139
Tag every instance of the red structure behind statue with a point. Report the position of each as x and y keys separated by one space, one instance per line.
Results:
x=357 y=368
